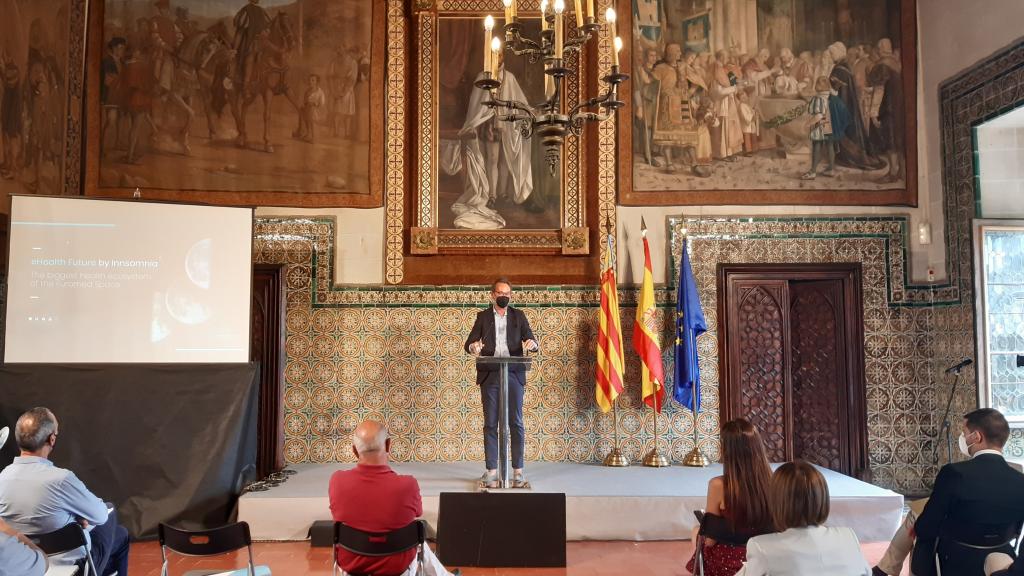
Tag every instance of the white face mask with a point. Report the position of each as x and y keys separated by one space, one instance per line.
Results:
x=965 y=448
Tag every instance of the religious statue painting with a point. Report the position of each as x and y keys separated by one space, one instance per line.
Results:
x=41 y=65
x=491 y=176
x=268 y=97
x=805 y=96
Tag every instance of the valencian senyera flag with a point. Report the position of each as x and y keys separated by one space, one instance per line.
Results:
x=609 y=339
x=645 y=336
x=690 y=324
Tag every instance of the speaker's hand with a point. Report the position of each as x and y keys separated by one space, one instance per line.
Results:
x=476 y=347
x=530 y=345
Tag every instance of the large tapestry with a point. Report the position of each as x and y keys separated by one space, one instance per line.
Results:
x=42 y=47
x=772 y=102
x=241 y=101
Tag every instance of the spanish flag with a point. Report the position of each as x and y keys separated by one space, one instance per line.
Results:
x=609 y=339
x=645 y=335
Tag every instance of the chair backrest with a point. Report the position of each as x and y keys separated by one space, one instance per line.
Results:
x=205 y=542
x=66 y=539
x=379 y=543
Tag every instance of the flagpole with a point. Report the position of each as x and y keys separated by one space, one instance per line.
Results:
x=654 y=458
x=615 y=458
x=695 y=458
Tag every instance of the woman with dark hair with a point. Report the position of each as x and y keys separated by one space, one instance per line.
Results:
x=799 y=504
x=737 y=505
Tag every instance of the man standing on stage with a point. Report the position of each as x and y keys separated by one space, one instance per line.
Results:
x=502 y=331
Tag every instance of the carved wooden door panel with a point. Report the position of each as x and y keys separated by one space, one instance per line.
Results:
x=758 y=355
x=818 y=372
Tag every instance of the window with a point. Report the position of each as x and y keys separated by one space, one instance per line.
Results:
x=1001 y=316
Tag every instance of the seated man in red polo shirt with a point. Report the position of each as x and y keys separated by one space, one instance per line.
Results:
x=373 y=498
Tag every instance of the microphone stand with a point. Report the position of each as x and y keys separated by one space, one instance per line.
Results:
x=945 y=428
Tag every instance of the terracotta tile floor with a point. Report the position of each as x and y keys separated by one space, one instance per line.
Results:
x=584 y=559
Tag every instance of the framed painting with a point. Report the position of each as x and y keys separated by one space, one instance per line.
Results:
x=482 y=183
x=42 y=58
x=770 y=102
x=246 y=102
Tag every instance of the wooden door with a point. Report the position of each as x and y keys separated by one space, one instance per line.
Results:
x=792 y=360
x=818 y=345
x=760 y=371
x=267 y=349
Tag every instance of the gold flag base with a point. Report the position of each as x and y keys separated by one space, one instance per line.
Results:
x=696 y=459
x=654 y=459
x=616 y=459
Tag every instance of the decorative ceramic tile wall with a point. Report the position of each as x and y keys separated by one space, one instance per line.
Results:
x=986 y=90
x=395 y=353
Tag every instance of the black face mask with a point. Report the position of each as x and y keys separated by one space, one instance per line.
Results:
x=501 y=301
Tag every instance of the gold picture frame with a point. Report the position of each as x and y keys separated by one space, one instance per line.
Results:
x=428 y=232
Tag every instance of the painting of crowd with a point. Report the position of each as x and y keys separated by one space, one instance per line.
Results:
x=33 y=97
x=251 y=95
x=767 y=117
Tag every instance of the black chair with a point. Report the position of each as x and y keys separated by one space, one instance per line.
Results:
x=957 y=558
x=412 y=535
x=67 y=539
x=698 y=551
x=207 y=543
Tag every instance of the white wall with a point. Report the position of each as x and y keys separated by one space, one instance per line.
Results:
x=953 y=34
x=359 y=245
x=1000 y=157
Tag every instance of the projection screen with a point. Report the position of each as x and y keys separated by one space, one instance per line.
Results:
x=111 y=281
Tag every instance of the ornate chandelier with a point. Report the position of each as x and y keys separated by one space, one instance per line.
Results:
x=549 y=119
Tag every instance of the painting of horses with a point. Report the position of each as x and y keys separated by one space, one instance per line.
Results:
x=42 y=44
x=240 y=101
x=771 y=102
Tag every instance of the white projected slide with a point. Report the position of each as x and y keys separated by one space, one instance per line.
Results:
x=98 y=281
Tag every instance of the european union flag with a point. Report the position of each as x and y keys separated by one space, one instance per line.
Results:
x=690 y=323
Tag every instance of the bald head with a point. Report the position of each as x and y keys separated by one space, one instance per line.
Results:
x=35 y=429
x=370 y=442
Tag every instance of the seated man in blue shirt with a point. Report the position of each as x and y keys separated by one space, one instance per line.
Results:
x=18 y=555
x=37 y=497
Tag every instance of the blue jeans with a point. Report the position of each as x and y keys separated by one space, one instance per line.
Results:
x=492 y=403
x=110 y=547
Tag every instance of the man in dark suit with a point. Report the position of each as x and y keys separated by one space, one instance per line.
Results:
x=976 y=505
x=501 y=330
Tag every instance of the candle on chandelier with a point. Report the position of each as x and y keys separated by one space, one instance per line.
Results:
x=559 y=28
x=616 y=48
x=579 y=13
x=609 y=17
x=488 y=26
x=515 y=10
x=590 y=8
x=508 y=10
x=495 y=56
x=543 y=15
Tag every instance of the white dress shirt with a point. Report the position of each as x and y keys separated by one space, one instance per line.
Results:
x=811 y=551
x=501 y=334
